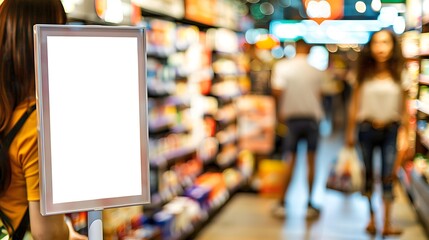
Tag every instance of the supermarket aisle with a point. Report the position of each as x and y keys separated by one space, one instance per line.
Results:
x=247 y=216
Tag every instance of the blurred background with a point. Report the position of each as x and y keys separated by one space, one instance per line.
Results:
x=213 y=131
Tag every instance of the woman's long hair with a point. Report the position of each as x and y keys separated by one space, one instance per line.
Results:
x=366 y=63
x=17 y=18
x=17 y=74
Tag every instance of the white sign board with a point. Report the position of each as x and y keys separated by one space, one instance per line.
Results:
x=92 y=113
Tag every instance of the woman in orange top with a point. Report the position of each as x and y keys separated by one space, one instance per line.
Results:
x=17 y=94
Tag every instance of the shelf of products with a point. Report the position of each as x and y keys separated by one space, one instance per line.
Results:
x=196 y=71
x=414 y=177
x=415 y=174
x=193 y=84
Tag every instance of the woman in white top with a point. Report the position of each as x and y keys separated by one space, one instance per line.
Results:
x=377 y=110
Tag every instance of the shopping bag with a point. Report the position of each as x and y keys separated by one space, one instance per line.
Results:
x=346 y=174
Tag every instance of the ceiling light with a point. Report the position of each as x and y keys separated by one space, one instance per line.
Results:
x=376 y=5
x=360 y=7
x=399 y=25
x=318 y=9
x=388 y=15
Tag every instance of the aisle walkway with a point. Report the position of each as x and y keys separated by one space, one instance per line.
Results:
x=343 y=217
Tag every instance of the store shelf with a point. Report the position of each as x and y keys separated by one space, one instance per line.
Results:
x=153 y=94
x=167 y=129
x=415 y=184
x=157 y=56
x=223 y=90
x=158 y=200
x=160 y=127
x=404 y=177
x=424 y=140
x=211 y=214
x=231 y=140
x=420 y=194
x=404 y=181
x=172 y=157
x=417 y=189
x=206 y=215
x=424 y=79
x=422 y=107
x=228 y=164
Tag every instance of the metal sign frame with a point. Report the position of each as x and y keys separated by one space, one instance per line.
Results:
x=60 y=127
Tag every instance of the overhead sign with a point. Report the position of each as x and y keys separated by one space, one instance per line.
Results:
x=328 y=32
x=91 y=103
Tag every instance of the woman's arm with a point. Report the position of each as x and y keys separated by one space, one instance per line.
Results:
x=47 y=227
x=51 y=227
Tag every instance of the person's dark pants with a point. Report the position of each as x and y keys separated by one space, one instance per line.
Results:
x=302 y=129
x=384 y=138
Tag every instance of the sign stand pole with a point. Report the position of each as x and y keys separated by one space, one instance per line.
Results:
x=95 y=225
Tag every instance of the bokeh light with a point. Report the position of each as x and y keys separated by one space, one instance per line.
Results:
x=253 y=35
x=318 y=9
x=267 y=8
x=242 y=9
x=399 y=25
x=332 y=48
x=388 y=16
x=360 y=7
x=290 y=51
x=277 y=52
x=319 y=57
x=267 y=41
x=285 y=3
x=255 y=10
x=376 y=5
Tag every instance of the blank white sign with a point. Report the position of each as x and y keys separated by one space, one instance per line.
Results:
x=93 y=142
x=93 y=85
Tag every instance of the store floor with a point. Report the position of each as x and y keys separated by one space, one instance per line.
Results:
x=247 y=215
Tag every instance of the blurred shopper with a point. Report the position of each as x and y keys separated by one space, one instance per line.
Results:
x=339 y=69
x=19 y=195
x=377 y=110
x=260 y=71
x=298 y=89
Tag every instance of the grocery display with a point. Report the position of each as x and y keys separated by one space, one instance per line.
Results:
x=414 y=174
x=210 y=111
x=196 y=71
x=195 y=75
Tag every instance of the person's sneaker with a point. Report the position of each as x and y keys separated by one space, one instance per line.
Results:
x=278 y=211
x=312 y=212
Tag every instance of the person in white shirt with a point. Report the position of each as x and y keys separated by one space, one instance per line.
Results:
x=377 y=110
x=297 y=87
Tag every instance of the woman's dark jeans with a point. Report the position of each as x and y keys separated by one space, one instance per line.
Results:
x=384 y=138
